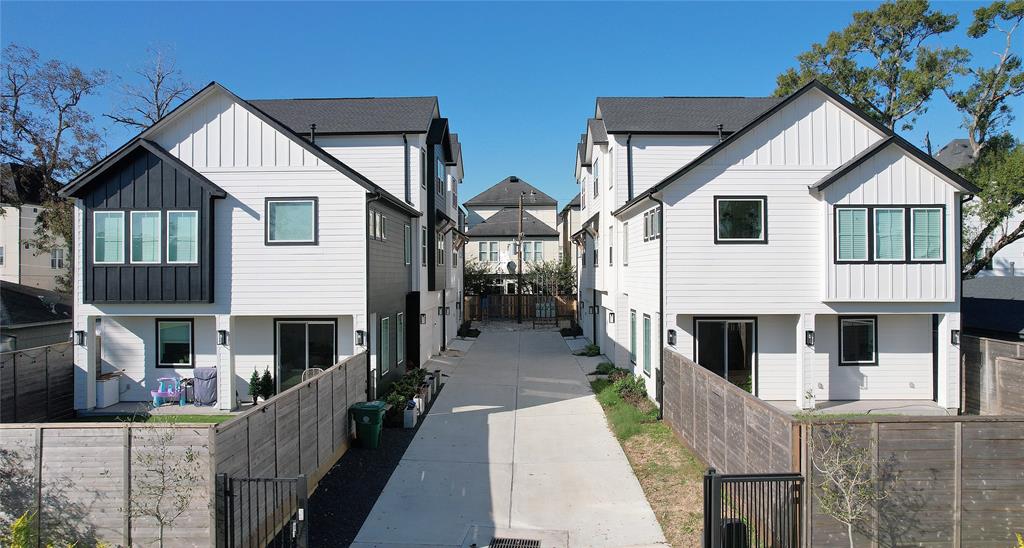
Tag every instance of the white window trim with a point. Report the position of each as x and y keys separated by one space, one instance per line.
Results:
x=167 y=227
x=191 y=343
x=62 y=259
x=407 y=244
x=874 y=351
x=867 y=235
x=400 y=339
x=942 y=237
x=874 y=236
x=385 y=337
x=124 y=234
x=159 y=236
x=423 y=246
x=764 y=220
x=312 y=238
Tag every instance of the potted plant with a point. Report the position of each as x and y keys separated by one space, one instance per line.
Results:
x=255 y=386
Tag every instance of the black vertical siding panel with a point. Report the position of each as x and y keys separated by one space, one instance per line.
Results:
x=195 y=283
x=180 y=190
x=167 y=281
x=99 y=284
x=113 y=277
x=155 y=291
x=181 y=283
x=167 y=188
x=127 y=285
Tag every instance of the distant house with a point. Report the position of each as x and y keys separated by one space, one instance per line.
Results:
x=993 y=306
x=493 y=219
x=31 y=317
x=21 y=262
x=1008 y=261
x=569 y=223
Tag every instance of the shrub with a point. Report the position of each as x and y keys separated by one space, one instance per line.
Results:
x=631 y=388
x=604 y=368
x=618 y=374
x=467 y=330
x=254 y=385
x=572 y=331
x=590 y=351
x=267 y=388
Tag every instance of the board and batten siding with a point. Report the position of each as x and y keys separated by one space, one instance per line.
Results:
x=778 y=159
x=891 y=177
x=252 y=165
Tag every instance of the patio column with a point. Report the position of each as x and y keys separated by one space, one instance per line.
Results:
x=805 y=381
x=949 y=362
x=226 y=381
x=86 y=364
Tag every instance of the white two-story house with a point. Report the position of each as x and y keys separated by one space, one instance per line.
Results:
x=223 y=237
x=792 y=245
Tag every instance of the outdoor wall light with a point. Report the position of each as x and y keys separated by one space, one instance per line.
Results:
x=611 y=317
x=360 y=337
x=447 y=311
x=671 y=337
x=222 y=337
x=809 y=337
x=440 y=311
x=423 y=319
x=954 y=337
x=79 y=338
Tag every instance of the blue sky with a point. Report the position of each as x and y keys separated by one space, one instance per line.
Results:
x=517 y=80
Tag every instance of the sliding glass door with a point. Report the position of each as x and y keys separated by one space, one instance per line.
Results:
x=302 y=344
x=728 y=349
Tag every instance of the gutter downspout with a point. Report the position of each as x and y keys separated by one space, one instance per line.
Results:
x=371 y=379
x=629 y=166
x=660 y=377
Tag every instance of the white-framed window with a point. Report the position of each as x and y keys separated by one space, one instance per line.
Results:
x=385 y=344
x=597 y=175
x=382 y=225
x=852 y=234
x=890 y=244
x=423 y=168
x=401 y=338
x=533 y=252
x=611 y=245
x=57 y=258
x=439 y=174
x=145 y=237
x=632 y=336
x=647 y=344
x=423 y=246
x=378 y=225
x=440 y=249
x=652 y=224
x=174 y=342
x=488 y=251
x=741 y=219
x=407 y=244
x=858 y=340
x=108 y=237
x=625 y=244
x=926 y=234
x=182 y=237
x=291 y=221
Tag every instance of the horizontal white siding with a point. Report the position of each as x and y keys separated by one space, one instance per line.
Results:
x=776 y=357
x=654 y=158
x=639 y=283
x=380 y=158
x=892 y=177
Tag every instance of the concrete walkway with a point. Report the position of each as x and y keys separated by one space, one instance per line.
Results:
x=515 y=445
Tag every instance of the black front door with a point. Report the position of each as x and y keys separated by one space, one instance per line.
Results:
x=302 y=344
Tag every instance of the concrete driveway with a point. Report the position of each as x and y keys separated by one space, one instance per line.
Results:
x=515 y=445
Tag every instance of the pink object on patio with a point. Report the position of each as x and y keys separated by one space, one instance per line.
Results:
x=168 y=390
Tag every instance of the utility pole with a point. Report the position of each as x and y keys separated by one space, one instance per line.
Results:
x=519 y=258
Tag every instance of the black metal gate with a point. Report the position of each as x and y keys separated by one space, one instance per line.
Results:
x=261 y=512
x=752 y=510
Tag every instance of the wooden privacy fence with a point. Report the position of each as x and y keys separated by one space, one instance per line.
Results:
x=534 y=307
x=730 y=429
x=88 y=483
x=37 y=384
x=303 y=430
x=993 y=376
x=954 y=481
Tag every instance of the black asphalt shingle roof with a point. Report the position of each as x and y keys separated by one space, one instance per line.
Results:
x=680 y=114
x=507 y=192
x=994 y=306
x=597 y=131
x=505 y=223
x=956 y=154
x=20 y=184
x=355 y=115
x=21 y=304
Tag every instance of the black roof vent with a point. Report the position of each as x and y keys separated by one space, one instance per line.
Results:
x=513 y=179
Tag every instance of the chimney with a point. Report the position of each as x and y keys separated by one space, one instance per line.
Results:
x=312 y=133
x=720 y=137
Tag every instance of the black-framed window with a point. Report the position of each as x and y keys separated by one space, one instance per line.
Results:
x=652 y=224
x=423 y=168
x=741 y=219
x=175 y=342
x=858 y=340
x=632 y=336
x=889 y=234
x=423 y=246
x=291 y=221
x=440 y=249
x=439 y=174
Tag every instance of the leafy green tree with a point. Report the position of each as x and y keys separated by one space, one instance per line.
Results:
x=989 y=226
x=550 y=277
x=881 y=62
x=476 y=276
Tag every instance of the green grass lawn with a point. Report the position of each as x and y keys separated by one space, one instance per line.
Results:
x=159 y=419
x=671 y=476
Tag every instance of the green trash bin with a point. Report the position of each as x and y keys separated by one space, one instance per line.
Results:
x=369 y=417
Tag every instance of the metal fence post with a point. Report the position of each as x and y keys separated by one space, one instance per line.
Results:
x=301 y=518
x=712 y=509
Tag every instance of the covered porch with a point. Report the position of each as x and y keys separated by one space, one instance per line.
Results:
x=138 y=364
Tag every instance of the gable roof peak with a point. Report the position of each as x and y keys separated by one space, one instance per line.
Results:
x=507 y=192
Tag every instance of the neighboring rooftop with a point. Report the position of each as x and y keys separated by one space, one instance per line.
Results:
x=506 y=223
x=574 y=203
x=956 y=154
x=680 y=114
x=507 y=193
x=22 y=305
x=597 y=131
x=994 y=306
x=352 y=116
x=20 y=184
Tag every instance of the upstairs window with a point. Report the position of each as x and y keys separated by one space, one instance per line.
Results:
x=145 y=237
x=858 y=340
x=439 y=175
x=291 y=221
x=652 y=224
x=488 y=252
x=378 y=225
x=597 y=175
x=108 y=237
x=926 y=234
x=889 y=242
x=741 y=219
x=625 y=244
x=852 y=234
x=423 y=168
x=407 y=244
x=183 y=237
x=423 y=246
x=611 y=244
x=533 y=252
x=57 y=258
x=440 y=249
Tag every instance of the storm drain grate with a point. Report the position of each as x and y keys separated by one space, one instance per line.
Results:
x=502 y=542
